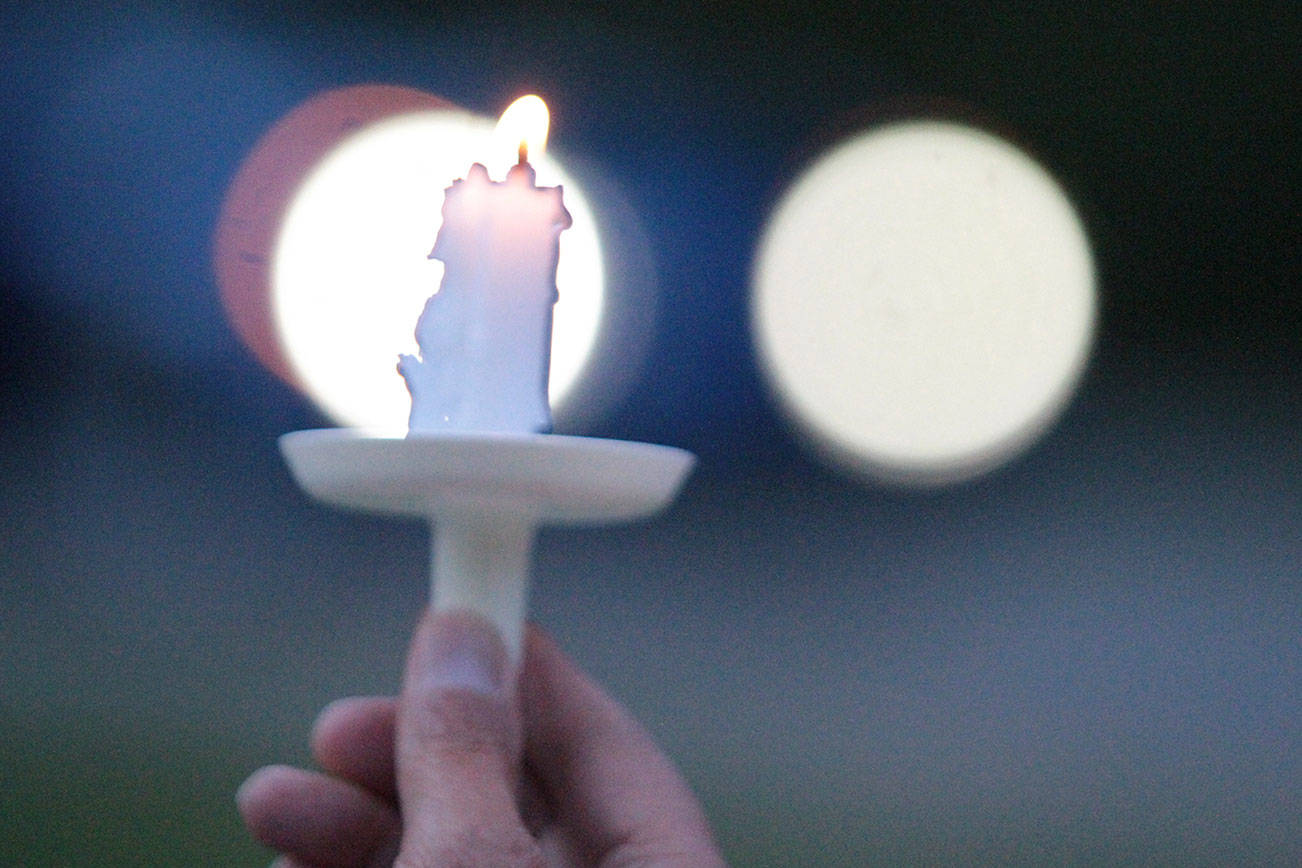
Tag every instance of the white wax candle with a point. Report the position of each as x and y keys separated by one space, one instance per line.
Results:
x=485 y=336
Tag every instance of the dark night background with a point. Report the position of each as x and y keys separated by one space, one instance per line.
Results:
x=1090 y=656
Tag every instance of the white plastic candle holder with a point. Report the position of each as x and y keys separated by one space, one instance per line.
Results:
x=485 y=495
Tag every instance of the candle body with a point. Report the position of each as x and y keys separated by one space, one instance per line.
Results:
x=485 y=336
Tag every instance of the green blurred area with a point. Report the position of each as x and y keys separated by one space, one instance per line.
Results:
x=105 y=792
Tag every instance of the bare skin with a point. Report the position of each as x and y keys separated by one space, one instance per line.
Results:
x=465 y=769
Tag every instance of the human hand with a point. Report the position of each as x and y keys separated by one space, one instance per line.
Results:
x=462 y=769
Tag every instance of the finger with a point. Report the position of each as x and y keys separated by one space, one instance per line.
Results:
x=353 y=738
x=602 y=773
x=318 y=820
x=456 y=746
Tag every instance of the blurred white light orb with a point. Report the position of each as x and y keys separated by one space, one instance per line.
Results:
x=924 y=301
x=350 y=272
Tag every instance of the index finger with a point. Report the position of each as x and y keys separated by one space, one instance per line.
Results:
x=602 y=772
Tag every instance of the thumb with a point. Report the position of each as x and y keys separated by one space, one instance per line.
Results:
x=456 y=748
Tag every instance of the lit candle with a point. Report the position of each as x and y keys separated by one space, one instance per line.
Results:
x=476 y=469
x=485 y=336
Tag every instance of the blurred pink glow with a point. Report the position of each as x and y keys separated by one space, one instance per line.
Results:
x=263 y=188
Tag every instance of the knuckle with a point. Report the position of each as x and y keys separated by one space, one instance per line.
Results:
x=460 y=721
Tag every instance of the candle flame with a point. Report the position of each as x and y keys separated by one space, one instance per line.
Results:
x=524 y=126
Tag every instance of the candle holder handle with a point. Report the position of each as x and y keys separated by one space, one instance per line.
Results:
x=480 y=562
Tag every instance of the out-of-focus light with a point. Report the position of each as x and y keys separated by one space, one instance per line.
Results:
x=924 y=301
x=347 y=272
x=351 y=272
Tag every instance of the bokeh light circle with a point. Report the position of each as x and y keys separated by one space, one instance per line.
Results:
x=924 y=300
x=321 y=250
x=351 y=270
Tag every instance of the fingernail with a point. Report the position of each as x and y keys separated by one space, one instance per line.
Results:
x=464 y=651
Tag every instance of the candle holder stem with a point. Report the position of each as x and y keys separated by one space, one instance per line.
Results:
x=480 y=562
x=485 y=494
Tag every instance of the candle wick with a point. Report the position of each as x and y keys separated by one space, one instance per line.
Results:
x=523 y=153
